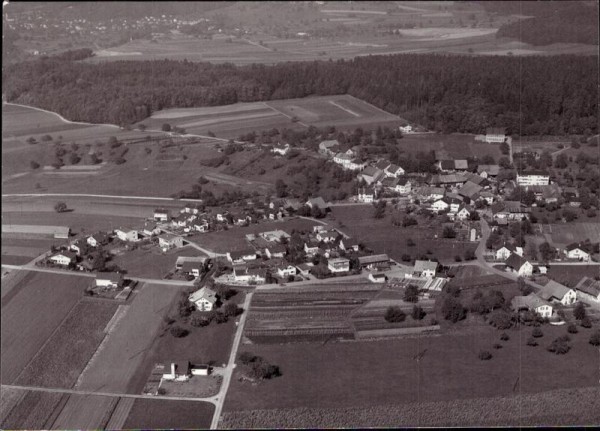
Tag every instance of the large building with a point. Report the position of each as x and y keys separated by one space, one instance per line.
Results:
x=533 y=178
x=495 y=135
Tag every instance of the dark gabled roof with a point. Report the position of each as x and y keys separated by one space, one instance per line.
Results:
x=515 y=261
x=533 y=172
x=371 y=171
x=113 y=277
x=553 y=290
x=238 y=254
x=490 y=169
x=376 y=258
x=383 y=164
x=574 y=246
x=447 y=165
x=589 y=286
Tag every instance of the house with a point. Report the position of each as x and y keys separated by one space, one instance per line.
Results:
x=223 y=217
x=486 y=196
x=433 y=193
x=374 y=261
x=112 y=280
x=311 y=248
x=487 y=171
x=64 y=258
x=168 y=241
x=286 y=271
x=441 y=205
x=99 y=238
x=180 y=221
x=190 y=267
x=403 y=186
x=281 y=149
x=318 y=202
x=127 y=235
x=519 y=265
x=549 y=194
x=348 y=161
x=338 y=264
x=304 y=269
x=393 y=171
x=191 y=209
x=371 y=175
x=554 y=291
x=382 y=165
x=276 y=250
x=275 y=235
x=201 y=226
x=506 y=250
x=328 y=236
x=533 y=303
x=241 y=256
x=470 y=190
x=161 y=214
x=574 y=251
x=588 y=290
x=377 y=278
x=406 y=129
x=243 y=274
x=292 y=203
x=495 y=135
x=348 y=244
x=204 y=299
x=151 y=229
x=328 y=148
x=356 y=165
x=177 y=371
x=510 y=210
x=78 y=246
x=533 y=178
x=448 y=180
x=366 y=195
x=463 y=213
x=425 y=269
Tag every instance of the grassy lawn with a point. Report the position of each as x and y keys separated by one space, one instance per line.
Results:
x=31 y=311
x=169 y=415
x=152 y=262
x=365 y=374
x=116 y=363
x=59 y=363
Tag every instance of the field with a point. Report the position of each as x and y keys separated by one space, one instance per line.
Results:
x=380 y=236
x=231 y=121
x=150 y=262
x=427 y=368
x=235 y=237
x=559 y=407
x=31 y=311
x=16 y=247
x=85 y=412
x=169 y=415
x=454 y=146
x=560 y=235
x=570 y=275
x=35 y=410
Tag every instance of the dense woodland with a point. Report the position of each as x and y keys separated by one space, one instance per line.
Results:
x=530 y=95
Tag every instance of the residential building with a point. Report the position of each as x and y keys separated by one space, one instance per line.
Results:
x=286 y=270
x=403 y=186
x=349 y=244
x=243 y=274
x=161 y=214
x=127 y=235
x=151 y=229
x=311 y=248
x=506 y=250
x=554 y=291
x=99 y=238
x=64 y=258
x=533 y=303
x=241 y=256
x=112 y=280
x=574 y=251
x=281 y=149
x=338 y=264
x=533 y=178
x=328 y=236
x=179 y=371
x=510 y=210
x=425 y=269
x=519 y=265
x=406 y=129
x=371 y=175
x=366 y=195
x=191 y=267
x=463 y=213
x=274 y=235
x=204 y=299
x=588 y=290
x=78 y=246
x=393 y=171
x=275 y=251
x=168 y=241
x=470 y=190
x=488 y=171
x=329 y=148
x=201 y=226
x=495 y=135
x=319 y=202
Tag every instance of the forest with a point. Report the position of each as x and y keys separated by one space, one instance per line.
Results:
x=447 y=93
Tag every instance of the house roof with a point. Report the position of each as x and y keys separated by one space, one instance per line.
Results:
x=461 y=164
x=378 y=275
x=495 y=131
x=530 y=302
x=204 y=293
x=448 y=179
x=349 y=242
x=238 y=254
x=113 y=277
x=376 y=258
x=161 y=211
x=490 y=169
x=372 y=171
x=589 y=286
x=190 y=265
x=553 y=290
x=574 y=246
x=447 y=165
x=515 y=261
x=338 y=260
x=277 y=248
x=69 y=254
x=533 y=172
x=328 y=144
x=99 y=236
x=383 y=164
x=319 y=202
x=389 y=182
x=402 y=181
x=469 y=189
x=181 y=367
x=343 y=156
x=424 y=265
x=168 y=237
x=393 y=168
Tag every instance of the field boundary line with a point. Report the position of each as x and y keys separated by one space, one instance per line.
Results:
x=375 y=107
x=63 y=119
x=284 y=114
x=349 y=111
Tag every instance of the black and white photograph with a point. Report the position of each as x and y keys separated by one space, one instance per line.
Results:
x=300 y=214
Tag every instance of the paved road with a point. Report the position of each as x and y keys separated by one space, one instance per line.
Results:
x=219 y=399
x=83 y=195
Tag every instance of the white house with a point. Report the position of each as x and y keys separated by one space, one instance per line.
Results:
x=168 y=241
x=533 y=178
x=506 y=250
x=201 y=226
x=286 y=271
x=441 y=205
x=64 y=258
x=275 y=250
x=177 y=371
x=338 y=264
x=99 y=238
x=349 y=244
x=463 y=213
x=519 y=265
x=588 y=290
x=78 y=246
x=242 y=274
x=554 y=291
x=371 y=175
x=574 y=251
x=328 y=235
x=241 y=256
x=366 y=195
x=109 y=279
x=495 y=135
x=127 y=235
x=533 y=303
x=281 y=149
x=204 y=299
x=151 y=229
x=377 y=278
x=393 y=171
x=161 y=214
x=425 y=268
x=403 y=186
x=192 y=267
x=311 y=248
x=406 y=129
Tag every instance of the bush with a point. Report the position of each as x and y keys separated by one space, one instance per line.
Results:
x=579 y=311
x=470 y=255
x=406 y=258
x=411 y=293
x=394 y=314
x=501 y=319
x=560 y=345
x=497 y=346
x=199 y=322
x=162 y=391
x=453 y=310
x=221 y=318
x=166 y=127
x=34 y=165
x=537 y=333
x=595 y=339
x=531 y=342
x=572 y=329
x=586 y=322
x=504 y=337
x=449 y=232
x=418 y=313
x=457 y=258
x=60 y=207
x=484 y=355
x=230 y=309
x=179 y=332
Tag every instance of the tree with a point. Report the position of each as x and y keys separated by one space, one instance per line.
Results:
x=178 y=332
x=537 y=333
x=418 y=313
x=560 y=345
x=411 y=293
x=280 y=188
x=501 y=319
x=166 y=127
x=31 y=140
x=586 y=322
x=60 y=207
x=453 y=310
x=394 y=314
x=449 y=232
x=572 y=328
x=579 y=312
x=379 y=209
x=230 y=309
x=547 y=252
x=34 y=165
x=484 y=355
x=470 y=255
x=531 y=342
x=504 y=148
x=595 y=338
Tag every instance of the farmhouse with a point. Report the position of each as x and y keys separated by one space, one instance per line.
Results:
x=286 y=271
x=328 y=148
x=487 y=171
x=574 y=251
x=168 y=241
x=533 y=178
x=191 y=267
x=382 y=165
x=453 y=165
x=99 y=238
x=371 y=175
x=374 y=261
x=338 y=264
x=425 y=269
x=328 y=236
x=177 y=371
x=532 y=303
x=448 y=180
x=366 y=195
x=403 y=186
x=510 y=210
x=109 y=279
x=406 y=129
x=506 y=250
x=201 y=226
x=64 y=258
x=191 y=209
x=281 y=149
x=554 y=291
x=519 y=265
x=432 y=193
x=127 y=235
x=393 y=171
x=470 y=190
x=151 y=229
x=588 y=290
x=463 y=213
x=78 y=246
x=348 y=244
x=204 y=299
x=276 y=250
x=311 y=248
x=243 y=274
x=318 y=202
x=377 y=278
x=161 y=214
x=241 y=256
x=495 y=135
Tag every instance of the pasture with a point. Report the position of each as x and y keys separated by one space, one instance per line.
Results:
x=453 y=146
x=31 y=311
x=570 y=275
x=567 y=233
x=115 y=363
x=168 y=414
x=558 y=407
x=150 y=262
x=35 y=410
x=17 y=250
x=85 y=412
x=424 y=368
x=63 y=357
